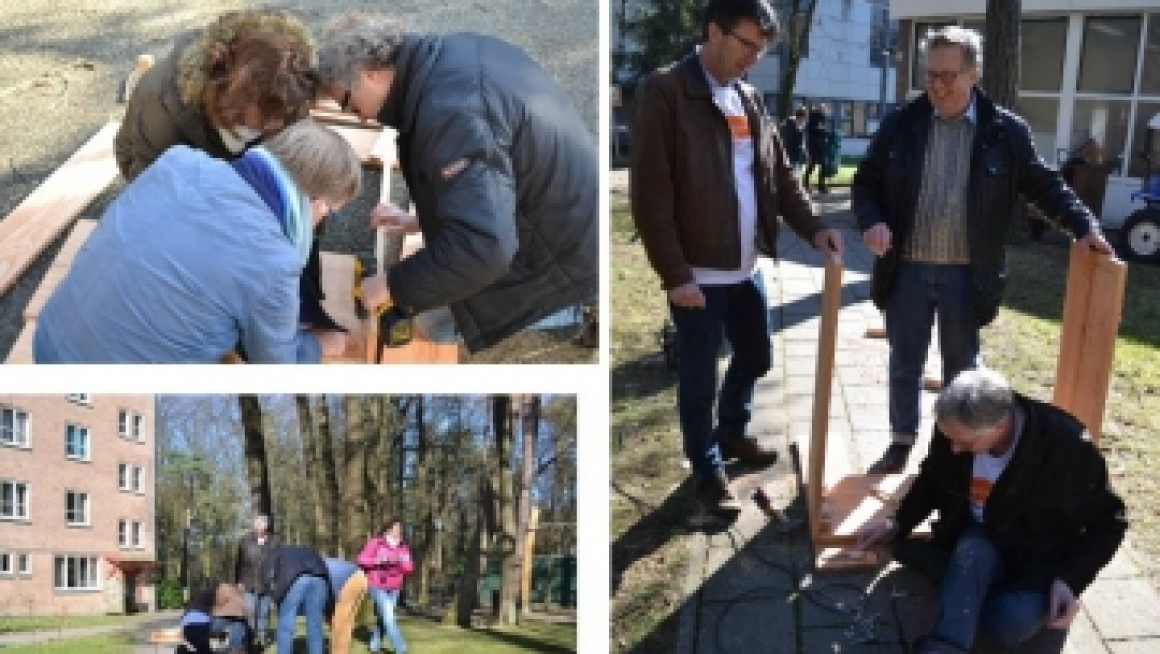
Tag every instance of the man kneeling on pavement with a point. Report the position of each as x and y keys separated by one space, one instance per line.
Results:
x=1027 y=517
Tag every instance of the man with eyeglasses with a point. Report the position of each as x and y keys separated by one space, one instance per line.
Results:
x=934 y=198
x=709 y=178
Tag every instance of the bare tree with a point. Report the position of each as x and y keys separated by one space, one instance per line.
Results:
x=529 y=424
x=353 y=517
x=257 y=471
x=797 y=17
x=328 y=493
x=1001 y=52
x=504 y=543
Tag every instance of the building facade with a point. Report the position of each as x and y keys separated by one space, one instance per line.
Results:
x=848 y=65
x=77 y=504
x=1090 y=80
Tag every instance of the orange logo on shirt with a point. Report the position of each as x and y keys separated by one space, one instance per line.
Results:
x=738 y=126
x=980 y=490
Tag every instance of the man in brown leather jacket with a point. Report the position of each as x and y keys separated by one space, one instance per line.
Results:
x=709 y=178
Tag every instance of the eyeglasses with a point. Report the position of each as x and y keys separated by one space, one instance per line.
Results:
x=344 y=106
x=756 y=49
x=944 y=77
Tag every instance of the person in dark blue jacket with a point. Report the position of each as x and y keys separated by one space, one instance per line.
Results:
x=299 y=581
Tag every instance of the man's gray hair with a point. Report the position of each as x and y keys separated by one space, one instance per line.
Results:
x=969 y=41
x=356 y=41
x=976 y=399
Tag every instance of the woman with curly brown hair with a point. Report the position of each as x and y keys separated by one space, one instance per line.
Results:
x=245 y=76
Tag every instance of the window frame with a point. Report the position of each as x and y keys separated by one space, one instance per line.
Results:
x=26 y=444
x=69 y=429
x=26 y=505
x=86 y=509
x=92 y=573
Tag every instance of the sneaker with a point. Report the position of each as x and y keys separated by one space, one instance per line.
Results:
x=715 y=495
x=747 y=450
x=892 y=460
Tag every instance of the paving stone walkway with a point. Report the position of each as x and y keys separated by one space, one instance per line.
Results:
x=751 y=586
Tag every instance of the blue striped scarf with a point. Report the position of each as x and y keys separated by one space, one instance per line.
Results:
x=273 y=184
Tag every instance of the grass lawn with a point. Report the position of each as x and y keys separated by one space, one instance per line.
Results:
x=648 y=561
x=50 y=622
x=421 y=635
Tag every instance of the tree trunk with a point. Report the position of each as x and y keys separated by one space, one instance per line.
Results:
x=257 y=472
x=353 y=513
x=1001 y=52
x=530 y=418
x=329 y=492
x=504 y=545
x=312 y=470
x=422 y=498
x=468 y=590
x=797 y=34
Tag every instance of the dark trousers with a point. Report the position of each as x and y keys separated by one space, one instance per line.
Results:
x=739 y=310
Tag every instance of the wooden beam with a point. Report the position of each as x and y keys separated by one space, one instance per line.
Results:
x=820 y=425
x=59 y=268
x=44 y=215
x=363 y=141
x=1087 y=345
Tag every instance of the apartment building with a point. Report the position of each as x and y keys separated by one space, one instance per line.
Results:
x=77 y=495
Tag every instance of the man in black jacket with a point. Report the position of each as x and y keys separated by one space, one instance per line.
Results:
x=934 y=198
x=299 y=581
x=1026 y=515
x=502 y=170
x=247 y=572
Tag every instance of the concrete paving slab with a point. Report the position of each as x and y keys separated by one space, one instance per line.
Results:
x=1123 y=608
x=1122 y=565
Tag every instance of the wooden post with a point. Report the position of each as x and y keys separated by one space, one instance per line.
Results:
x=529 y=559
x=827 y=336
x=1087 y=343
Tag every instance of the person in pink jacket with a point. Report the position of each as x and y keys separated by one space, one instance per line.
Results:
x=386 y=560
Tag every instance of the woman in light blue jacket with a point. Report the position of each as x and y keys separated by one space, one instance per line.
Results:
x=200 y=256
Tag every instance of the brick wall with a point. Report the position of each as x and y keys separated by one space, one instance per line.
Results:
x=48 y=472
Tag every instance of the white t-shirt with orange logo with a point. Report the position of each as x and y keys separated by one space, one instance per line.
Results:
x=987 y=468
x=729 y=102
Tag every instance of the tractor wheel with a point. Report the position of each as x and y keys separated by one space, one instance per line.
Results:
x=1141 y=236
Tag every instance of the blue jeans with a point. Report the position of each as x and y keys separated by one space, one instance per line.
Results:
x=740 y=309
x=965 y=600
x=306 y=597
x=259 y=607
x=921 y=292
x=385 y=601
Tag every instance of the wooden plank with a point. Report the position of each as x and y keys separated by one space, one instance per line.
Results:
x=44 y=215
x=52 y=278
x=329 y=117
x=1102 y=323
x=337 y=286
x=76 y=238
x=820 y=425
x=857 y=500
x=843 y=559
x=420 y=350
x=1075 y=310
x=383 y=154
x=21 y=351
x=363 y=141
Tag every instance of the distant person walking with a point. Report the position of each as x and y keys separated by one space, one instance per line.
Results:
x=817 y=139
x=252 y=551
x=793 y=137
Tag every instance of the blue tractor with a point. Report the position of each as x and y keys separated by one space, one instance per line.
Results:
x=1140 y=235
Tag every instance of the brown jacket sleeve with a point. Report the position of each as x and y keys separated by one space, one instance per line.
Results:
x=651 y=182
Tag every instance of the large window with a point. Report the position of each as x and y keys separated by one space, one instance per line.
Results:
x=1104 y=122
x=76 y=442
x=137 y=420
x=22 y=565
x=13 y=427
x=5 y=563
x=76 y=508
x=1042 y=116
x=76 y=573
x=1144 y=112
x=13 y=500
x=138 y=473
x=1150 y=76
x=129 y=425
x=1041 y=54
x=1108 y=58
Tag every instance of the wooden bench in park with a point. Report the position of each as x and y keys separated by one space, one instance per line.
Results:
x=55 y=205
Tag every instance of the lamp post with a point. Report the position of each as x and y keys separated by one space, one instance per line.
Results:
x=185 y=553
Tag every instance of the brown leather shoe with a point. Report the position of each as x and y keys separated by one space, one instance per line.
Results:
x=892 y=460
x=715 y=495
x=747 y=450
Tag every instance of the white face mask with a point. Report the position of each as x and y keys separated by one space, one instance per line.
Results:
x=238 y=138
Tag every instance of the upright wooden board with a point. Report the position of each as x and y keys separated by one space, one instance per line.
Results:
x=53 y=206
x=337 y=286
x=1091 y=319
x=363 y=141
x=820 y=425
x=21 y=351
